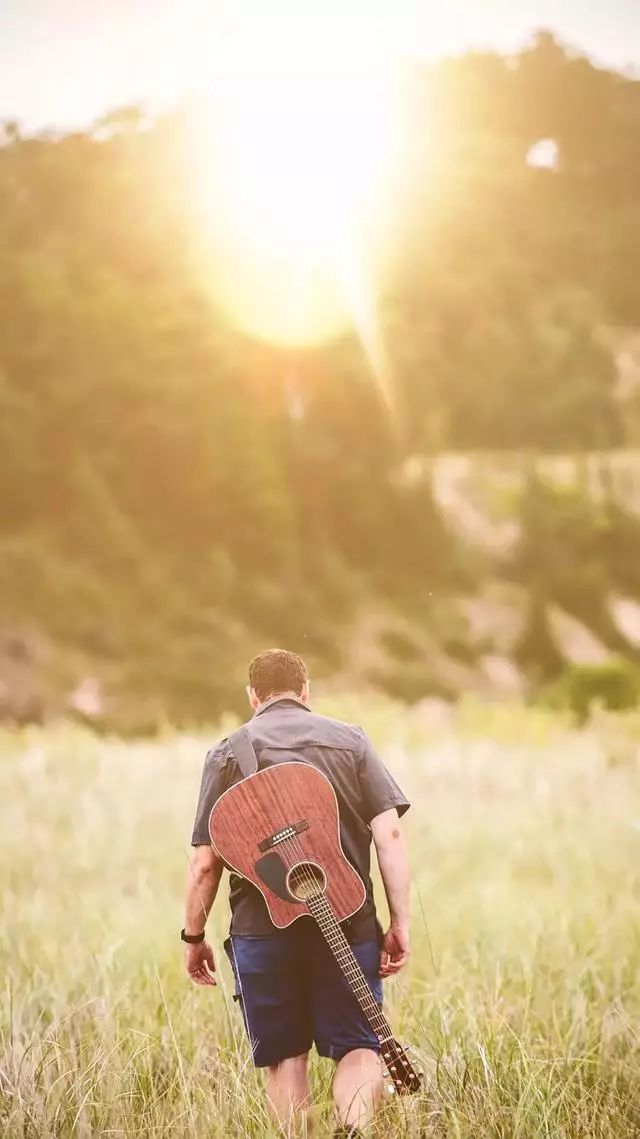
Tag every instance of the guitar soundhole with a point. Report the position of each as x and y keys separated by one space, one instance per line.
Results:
x=306 y=880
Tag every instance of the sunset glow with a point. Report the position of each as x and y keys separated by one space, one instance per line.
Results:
x=288 y=173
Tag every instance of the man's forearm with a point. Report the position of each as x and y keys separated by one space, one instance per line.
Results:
x=394 y=868
x=203 y=880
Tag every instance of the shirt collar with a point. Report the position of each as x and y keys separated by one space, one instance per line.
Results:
x=281 y=700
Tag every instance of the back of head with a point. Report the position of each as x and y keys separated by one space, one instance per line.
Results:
x=276 y=671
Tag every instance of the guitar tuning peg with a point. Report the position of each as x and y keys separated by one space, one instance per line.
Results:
x=391 y=1089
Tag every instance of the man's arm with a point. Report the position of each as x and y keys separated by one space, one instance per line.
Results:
x=205 y=871
x=394 y=868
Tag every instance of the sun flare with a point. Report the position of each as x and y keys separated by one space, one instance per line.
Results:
x=289 y=169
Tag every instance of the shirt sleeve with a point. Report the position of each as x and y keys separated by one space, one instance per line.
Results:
x=212 y=785
x=379 y=789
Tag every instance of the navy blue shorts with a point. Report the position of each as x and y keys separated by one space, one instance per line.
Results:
x=293 y=994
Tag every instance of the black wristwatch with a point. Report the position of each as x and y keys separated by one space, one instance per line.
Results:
x=191 y=938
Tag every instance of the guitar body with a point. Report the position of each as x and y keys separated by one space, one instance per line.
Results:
x=279 y=828
x=250 y=813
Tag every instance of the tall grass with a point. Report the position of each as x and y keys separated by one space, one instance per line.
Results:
x=522 y=997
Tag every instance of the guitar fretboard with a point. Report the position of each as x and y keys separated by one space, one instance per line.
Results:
x=343 y=953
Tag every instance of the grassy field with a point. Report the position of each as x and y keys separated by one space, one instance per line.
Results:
x=522 y=997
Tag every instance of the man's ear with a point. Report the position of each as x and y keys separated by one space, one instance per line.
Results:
x=253 y=699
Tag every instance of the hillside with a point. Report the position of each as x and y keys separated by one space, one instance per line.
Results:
x=551 y=578
x=441 y=497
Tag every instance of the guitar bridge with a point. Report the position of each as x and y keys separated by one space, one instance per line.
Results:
x=283 y=834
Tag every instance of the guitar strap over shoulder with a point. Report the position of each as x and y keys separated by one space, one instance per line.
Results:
x=243 y=751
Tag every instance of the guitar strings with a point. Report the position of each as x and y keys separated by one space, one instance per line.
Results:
x=338 y=944
x=333 y=937
x=297 y=851
x=350 y=968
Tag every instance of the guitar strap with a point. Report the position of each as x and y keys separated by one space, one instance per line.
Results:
x=243 y=751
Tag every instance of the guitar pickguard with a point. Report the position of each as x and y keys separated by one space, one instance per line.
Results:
x=273 y=872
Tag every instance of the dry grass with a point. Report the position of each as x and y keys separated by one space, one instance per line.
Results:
x=522 y=997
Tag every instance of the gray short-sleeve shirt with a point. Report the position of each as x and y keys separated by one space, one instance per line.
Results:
x=286 y=729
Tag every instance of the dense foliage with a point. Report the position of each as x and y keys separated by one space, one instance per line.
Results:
x=171 y=491
x=614 y=685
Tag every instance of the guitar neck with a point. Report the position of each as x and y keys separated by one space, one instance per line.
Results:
x=345 y=958
x=406 y=1079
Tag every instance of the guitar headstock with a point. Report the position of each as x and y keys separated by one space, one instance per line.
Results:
x=406 y=1079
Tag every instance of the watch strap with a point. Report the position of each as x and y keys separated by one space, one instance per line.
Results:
x=191 y=938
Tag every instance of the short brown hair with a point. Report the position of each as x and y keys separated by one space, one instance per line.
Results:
x=276 y=670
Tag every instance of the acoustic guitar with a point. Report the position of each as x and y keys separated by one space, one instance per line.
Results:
x=279 y=829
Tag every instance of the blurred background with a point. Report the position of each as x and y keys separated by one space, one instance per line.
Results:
x=320 y=328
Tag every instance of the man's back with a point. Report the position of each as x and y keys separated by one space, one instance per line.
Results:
x=285 y=729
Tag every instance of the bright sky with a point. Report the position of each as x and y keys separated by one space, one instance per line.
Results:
x=65 y=62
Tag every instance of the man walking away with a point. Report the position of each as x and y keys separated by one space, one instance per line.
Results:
x=291 y=992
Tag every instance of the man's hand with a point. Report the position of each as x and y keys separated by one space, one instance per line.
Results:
x=394 y=868
x=200 y=964
x=203 y=879
x=395 y=950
